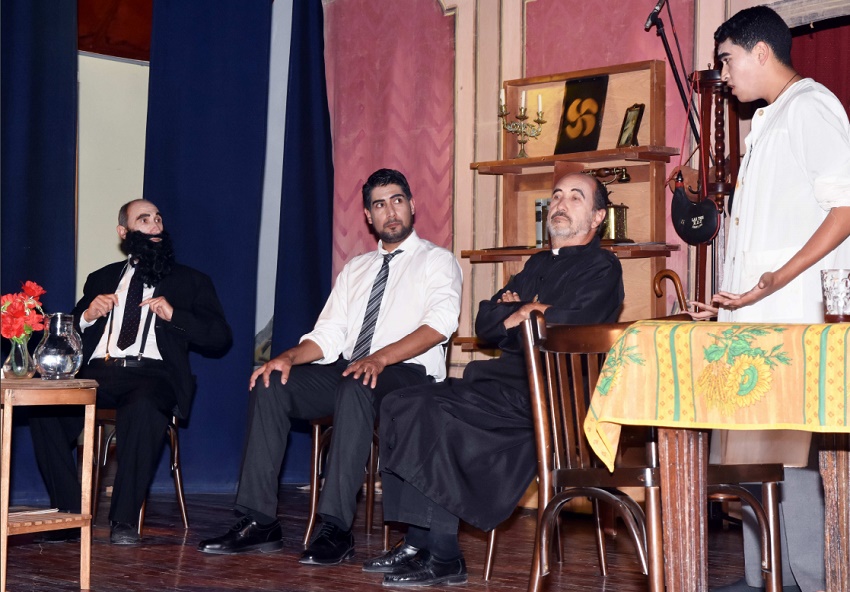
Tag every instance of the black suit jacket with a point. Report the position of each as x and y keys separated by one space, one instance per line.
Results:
x=198 y=320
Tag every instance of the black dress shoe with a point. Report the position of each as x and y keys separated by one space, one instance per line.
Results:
x=122 y=533
x=64 y=535
x=246 y=535
x=392 y=560
x=331 y=546
x=426 y=570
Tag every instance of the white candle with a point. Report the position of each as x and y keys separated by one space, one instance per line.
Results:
x=539 y=103
x=502 y=97
x=522 y=100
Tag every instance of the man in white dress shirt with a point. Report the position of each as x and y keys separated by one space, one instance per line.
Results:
x=410 y=290
x=790 y=218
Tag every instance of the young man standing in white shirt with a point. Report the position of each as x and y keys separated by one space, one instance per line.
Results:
x=790 y=218
x=382 y=328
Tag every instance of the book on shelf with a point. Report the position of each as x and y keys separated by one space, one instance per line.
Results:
x=18 y=510
x=541 y=215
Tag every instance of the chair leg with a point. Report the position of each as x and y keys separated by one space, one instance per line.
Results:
x=314 y=481
x=534 y=575
x=99 y=456
x=176 y=471
x=600 y=538
x=386 y=537
x=770 y=499
x=141 y=525
x=370 y=486
x=491 y=549
x=655 y=556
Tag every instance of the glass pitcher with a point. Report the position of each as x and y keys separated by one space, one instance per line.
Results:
x=60 y=353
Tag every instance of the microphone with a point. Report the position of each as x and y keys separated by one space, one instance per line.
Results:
x=651 y=18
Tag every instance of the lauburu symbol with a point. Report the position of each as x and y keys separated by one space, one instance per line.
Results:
x=581 y=118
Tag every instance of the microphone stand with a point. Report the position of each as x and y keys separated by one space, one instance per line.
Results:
x=656 y=21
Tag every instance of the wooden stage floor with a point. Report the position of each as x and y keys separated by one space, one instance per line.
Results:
x=168 y=558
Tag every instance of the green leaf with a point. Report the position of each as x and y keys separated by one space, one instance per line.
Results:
x=714 y=352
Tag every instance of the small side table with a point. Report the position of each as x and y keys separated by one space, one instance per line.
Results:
x=20 y=393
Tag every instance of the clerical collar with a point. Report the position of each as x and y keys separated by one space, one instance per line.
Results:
x=594 y=243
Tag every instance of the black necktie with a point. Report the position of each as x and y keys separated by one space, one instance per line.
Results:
x=132 y=312
x=364 y=340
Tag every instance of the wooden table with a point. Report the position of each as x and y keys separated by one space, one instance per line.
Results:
x=687 y=378
x=18 y=393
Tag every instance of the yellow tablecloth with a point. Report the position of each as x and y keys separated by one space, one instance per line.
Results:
x=721 y=375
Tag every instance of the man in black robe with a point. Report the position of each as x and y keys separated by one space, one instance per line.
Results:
x=464 y=449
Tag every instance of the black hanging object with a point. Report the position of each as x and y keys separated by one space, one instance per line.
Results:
x=695 y=222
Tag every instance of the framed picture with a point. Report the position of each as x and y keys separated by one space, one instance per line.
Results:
x=631 y=125
x=581 y=118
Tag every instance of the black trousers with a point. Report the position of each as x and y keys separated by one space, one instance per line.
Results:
x=314 y=391
x=144 y=400
x=404 y=503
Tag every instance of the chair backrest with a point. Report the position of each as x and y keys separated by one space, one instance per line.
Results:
x=564 y=362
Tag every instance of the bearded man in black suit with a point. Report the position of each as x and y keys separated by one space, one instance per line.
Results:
x=138 y=318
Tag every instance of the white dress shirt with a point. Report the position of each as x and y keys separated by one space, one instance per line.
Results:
x=151 y=349
x=796 y=168
x=423 y=288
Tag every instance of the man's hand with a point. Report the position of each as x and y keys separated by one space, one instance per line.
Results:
x=368 y=367
x=704 y=311
x=523 y=313
x=282 y=363
x=100 y=307
x=765 y=287
x=508 y=296
x=160 y=307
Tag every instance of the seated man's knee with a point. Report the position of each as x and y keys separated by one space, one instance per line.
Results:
x=274 y=396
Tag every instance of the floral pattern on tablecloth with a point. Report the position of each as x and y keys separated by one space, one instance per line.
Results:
x=721 y=375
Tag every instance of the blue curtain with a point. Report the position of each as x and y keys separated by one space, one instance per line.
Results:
x=204 y=169
x=38 y=107
x=306 y=212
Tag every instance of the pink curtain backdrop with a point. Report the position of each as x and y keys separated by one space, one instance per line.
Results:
x=390 y=73
x=566 y=35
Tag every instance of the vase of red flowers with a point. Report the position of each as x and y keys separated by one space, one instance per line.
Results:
x=20 y=315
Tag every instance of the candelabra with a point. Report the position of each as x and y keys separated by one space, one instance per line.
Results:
x=520 y=127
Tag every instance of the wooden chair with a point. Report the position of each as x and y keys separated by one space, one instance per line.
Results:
x=564 y=364
x=106 y=417
x=321 y=431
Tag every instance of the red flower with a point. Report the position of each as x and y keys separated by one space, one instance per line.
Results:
x=21 y=314
x=33 y=290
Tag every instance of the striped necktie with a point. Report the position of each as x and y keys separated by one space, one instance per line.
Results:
x=364 y=340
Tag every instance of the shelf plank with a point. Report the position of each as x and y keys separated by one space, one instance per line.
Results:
x=623 y=251
x=473 y=344
x=581 y=159
x=25 y=522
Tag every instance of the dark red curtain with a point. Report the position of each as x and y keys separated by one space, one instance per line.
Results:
x=822 y=52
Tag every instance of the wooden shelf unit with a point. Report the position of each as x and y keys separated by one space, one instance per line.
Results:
x=35 y=391
x=525 y=180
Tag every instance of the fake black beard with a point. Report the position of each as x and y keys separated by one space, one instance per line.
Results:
x=154 y=259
